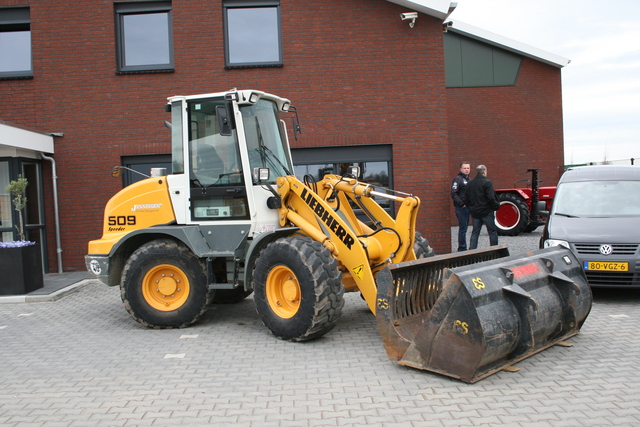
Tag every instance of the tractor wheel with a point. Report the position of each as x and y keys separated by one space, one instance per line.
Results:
x=513 y=216
x=164 y=285
x=298 y=289
x=230 y=296
x=421 y=247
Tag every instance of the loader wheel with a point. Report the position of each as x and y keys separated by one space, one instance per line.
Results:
x=164 y=285
x=298 y=289
x=421 y=247
x=513 y=216
x=230 y=296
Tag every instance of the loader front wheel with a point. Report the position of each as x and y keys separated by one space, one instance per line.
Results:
x=421 y=247
x=164 y=285
x=298 y=289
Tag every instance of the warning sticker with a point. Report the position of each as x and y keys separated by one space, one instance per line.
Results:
x=358 y=271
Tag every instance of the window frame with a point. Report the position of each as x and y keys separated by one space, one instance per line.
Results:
x=13 y=19
x=123 y=9
x=251 y=4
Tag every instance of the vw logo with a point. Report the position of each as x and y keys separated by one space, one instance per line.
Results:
x=606 y=249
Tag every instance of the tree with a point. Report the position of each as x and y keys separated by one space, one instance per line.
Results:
x=18 y=189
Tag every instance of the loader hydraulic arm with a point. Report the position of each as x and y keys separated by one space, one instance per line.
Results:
x=325 y=214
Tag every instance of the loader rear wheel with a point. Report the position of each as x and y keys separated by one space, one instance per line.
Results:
x=298 y=289
x=513 y=216
x=164 y=285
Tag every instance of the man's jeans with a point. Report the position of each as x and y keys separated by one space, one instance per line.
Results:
x=490 y=222
x=463 y=224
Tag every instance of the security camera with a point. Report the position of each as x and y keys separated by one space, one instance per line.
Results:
x=409 y=15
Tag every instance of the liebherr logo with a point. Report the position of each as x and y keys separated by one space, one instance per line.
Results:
x=326 y=217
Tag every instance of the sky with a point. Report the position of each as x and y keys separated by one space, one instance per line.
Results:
x=601 y=84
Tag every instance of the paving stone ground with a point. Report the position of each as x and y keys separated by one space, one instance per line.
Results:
x=83 y=361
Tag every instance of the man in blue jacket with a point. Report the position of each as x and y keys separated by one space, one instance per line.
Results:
x=482 y=202
x=458 y=190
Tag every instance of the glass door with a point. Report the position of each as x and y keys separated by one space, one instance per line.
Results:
x=33 y=214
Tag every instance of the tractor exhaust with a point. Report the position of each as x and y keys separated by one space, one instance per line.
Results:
x=469 y=316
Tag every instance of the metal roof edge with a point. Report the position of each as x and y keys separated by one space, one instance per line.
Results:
x=21 y=137
x=507 y=44
x=436 y=8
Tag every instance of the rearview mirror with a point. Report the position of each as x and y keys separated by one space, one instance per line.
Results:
x=224 y=123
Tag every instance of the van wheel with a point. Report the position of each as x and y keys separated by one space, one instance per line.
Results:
x=298 y=289
x=513 y=216
x=164 y=285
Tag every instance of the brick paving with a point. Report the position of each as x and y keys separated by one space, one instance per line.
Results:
x=82 y=360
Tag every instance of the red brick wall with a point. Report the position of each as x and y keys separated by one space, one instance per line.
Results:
x=355 y=71
x=509 y=129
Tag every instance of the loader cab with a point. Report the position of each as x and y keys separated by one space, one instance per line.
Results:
x=220 y=142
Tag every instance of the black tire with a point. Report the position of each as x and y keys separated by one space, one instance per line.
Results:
x=164 y=285
x=513 y=216
x=298 y=289
x=421 y=247
x=230 y=296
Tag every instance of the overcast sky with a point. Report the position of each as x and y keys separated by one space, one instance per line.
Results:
x=601 y=84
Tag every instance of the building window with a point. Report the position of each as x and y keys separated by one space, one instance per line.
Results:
x=374 y=163
x=15 y=43
x=252 y=33
x=142 y=166
x=144 y=36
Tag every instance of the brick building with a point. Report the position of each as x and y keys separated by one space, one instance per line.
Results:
x=84 y=84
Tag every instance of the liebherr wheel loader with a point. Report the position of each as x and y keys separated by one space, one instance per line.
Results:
x=232 y=219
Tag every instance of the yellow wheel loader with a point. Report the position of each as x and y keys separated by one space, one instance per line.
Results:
x=232 y=219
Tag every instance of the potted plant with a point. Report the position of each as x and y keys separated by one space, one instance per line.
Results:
x=20 y=261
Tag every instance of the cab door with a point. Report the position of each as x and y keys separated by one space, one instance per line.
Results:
x=217 y=187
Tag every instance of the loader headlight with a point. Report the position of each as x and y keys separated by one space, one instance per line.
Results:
x=553 y=242
x=254 y=97
x=261 y=174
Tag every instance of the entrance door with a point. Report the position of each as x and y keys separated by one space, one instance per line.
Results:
x=33 y=214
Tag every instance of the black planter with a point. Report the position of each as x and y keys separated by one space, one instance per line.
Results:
x=20 y=270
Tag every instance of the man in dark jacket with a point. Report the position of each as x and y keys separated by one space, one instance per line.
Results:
x=458 y=190
x=482 y=202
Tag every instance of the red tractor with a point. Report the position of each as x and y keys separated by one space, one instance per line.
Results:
x=517 y=206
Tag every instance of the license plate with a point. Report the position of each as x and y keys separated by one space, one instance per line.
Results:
x=606 y=266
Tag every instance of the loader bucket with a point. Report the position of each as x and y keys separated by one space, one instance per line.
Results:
x=471 y=315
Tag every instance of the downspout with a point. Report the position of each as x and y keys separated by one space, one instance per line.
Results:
x=54 y=176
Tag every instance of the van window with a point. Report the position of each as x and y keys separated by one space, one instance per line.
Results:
x=598 y=199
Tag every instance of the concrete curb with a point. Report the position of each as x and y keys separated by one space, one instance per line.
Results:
x=16 y=299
